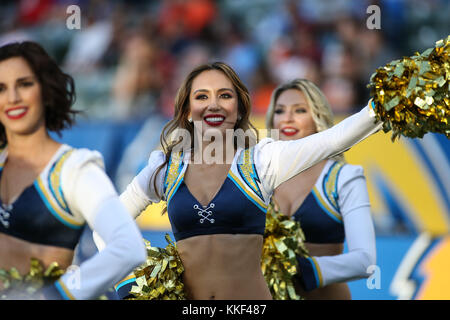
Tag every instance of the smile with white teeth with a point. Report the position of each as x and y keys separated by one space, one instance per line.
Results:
x=214 y=119
x=16 y=112
x=289 y=130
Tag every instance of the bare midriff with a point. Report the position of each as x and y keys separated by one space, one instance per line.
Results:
x=17 y=253
x=223 y=267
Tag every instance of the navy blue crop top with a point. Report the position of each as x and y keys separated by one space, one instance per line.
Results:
x=319 y=214
x=35 y=216
x=232 y=211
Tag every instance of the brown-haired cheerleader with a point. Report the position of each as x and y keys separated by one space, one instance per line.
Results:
x=49 y=191
x=218 y=190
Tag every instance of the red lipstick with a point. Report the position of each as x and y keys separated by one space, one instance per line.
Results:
x=214 y=120
x=289 y=131
x=16 y=112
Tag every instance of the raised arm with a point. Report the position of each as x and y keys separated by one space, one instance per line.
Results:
x=359 y=232
x=91 y=196
x=281 y=160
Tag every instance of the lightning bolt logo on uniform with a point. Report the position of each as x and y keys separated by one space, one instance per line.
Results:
x=248 y=172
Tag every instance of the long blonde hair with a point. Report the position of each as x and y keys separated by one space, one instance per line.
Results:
x=320 y=108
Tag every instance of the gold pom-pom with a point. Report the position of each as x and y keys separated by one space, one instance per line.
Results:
x=160 y=278
x=411 y=95
x=16 y=286
x=283 y=240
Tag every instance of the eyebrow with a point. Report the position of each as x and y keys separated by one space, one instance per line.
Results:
x=205 y=90
x=22 y=79
x=26 y=78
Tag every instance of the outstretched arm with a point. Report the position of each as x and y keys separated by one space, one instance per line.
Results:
x=281 y=160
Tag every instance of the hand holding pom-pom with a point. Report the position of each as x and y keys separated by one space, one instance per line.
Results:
x=411 y=95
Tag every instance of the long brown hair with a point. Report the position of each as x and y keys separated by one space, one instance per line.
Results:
x=182 y=109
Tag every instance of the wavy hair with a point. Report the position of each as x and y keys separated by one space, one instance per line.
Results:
x=182 y=109
x=58 y=88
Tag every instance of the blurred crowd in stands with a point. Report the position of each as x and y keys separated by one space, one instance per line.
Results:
x=129 y=57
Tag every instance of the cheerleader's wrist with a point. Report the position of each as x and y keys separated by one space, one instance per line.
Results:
x=371 y=108
x=123 y=288
x=310 y=276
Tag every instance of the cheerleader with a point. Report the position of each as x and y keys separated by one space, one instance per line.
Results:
x=330 y=199
x=48 y=190
x=217 y=208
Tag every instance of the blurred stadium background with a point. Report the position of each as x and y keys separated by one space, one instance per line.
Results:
x=129 y=57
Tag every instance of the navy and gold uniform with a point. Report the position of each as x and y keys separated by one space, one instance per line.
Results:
x=71 y=191
x=40 y=214
x=337 y=209
x=234 y=209
x=319 y=215
x=241 y=203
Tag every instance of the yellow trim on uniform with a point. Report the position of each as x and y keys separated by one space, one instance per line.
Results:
x=323 y=203
x=330 y=183
x=55 y=179
x=54 y=208
x=243 y=188
x=66 y=291
x=248 y=171
x=126 y=279
x=174 y=187
x=319 y=272
x=173 y=174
